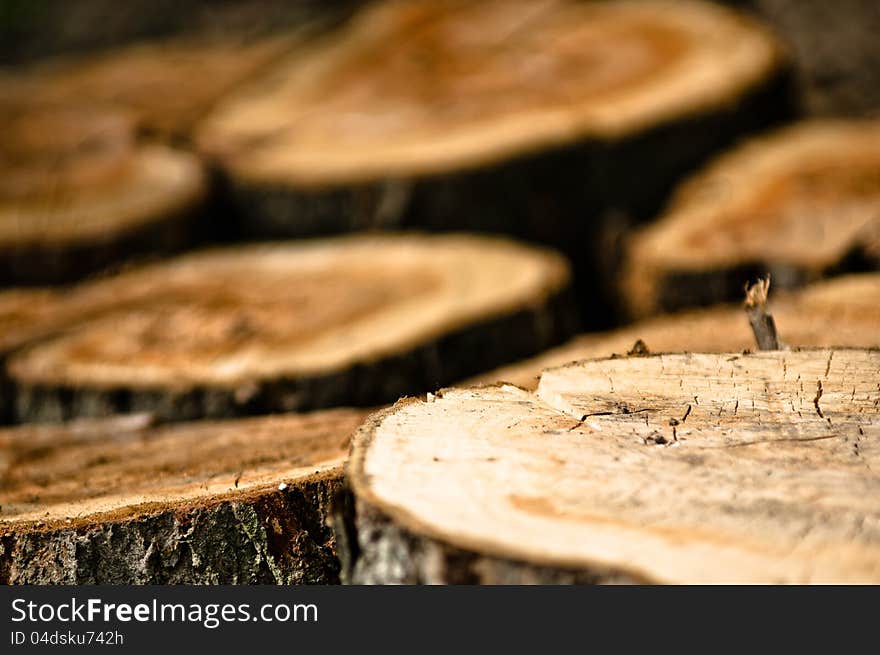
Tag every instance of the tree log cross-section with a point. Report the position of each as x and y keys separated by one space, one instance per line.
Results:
x=798 y=204
x=296 y=326
x=120 y=501
x=79 y=192
x=519 y=117
x=167 y=85
x=681 y=468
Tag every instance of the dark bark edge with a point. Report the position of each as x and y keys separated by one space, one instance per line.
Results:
x=36 y=264
x=270 y=537
x=373 y=549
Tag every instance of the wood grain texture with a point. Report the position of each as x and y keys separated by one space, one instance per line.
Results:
x=360 y=320
x=121 y=501
x=79 y=192
x=522 y=117
x=843 y=311
x=798 y=204
x=682 y=468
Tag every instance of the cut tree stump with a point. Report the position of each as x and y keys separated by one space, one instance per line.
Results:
x=798 y=204
x=525 y=118
x=79 y=193
x=167 y=85
x=844 y=311
x=120 y=501
x=285 y=327
x=685 y=468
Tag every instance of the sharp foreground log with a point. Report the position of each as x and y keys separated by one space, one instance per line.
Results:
x=118 y=501
x=525 y=117
x=797 y=205
x=844 y=311
x=78 y=193
x=688 y=468
x=354 y=321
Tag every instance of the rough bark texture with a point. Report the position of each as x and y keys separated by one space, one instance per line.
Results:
x=277 y=537
x=843 y=311
x=688 y=468
x=121 y=501
x=374 y=550
x=796 y=205
x=520 y=319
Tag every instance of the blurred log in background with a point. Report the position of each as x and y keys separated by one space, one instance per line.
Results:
x=835 y=44
x=272 y=328
x=799 y=204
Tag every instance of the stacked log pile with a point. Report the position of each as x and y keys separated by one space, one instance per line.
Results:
x=188 y=419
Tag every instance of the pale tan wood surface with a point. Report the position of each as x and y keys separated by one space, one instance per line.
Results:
x=683 y=468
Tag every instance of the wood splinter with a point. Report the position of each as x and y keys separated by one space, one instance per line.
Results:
x=763 y=325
